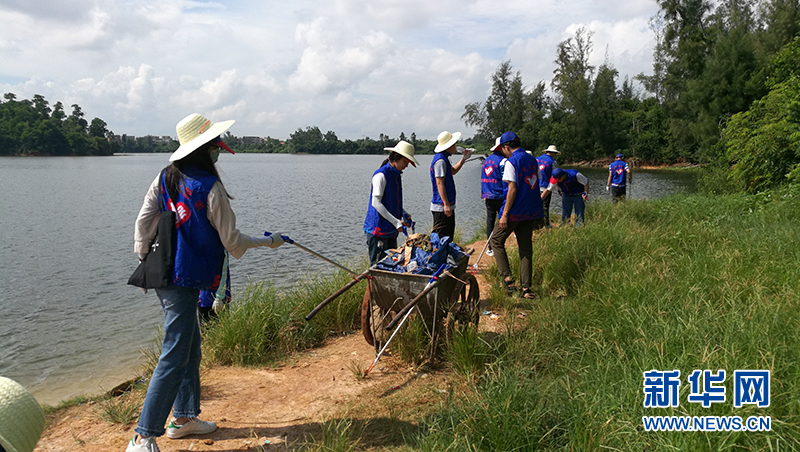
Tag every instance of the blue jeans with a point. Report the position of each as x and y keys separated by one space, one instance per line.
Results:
x=176 y=378
x=567 y=202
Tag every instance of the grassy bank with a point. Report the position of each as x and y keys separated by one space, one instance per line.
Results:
x=686 y=282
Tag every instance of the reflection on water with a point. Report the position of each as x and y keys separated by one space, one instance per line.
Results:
x=70 y=323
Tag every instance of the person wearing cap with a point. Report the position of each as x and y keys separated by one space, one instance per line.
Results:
x=521 y=212
x=573 y=186
x=443 y=202
x=492 y=188
x=206 y=228
x=546 y=163
x=617 y=171
x=385 y=215
x=21 y=418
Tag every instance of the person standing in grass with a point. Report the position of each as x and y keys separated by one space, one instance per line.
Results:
x=546 y=163
x=206 y=228
x=521 y=212
x=385 y=215
x=617 y=171
x=572 y=186
x=443 y=202
x=492 y=189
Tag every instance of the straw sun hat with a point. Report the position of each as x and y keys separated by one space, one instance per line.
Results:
x=21 y=417
x=405 y=149
x=446 y=139
x=194 y=131
x=552 y=148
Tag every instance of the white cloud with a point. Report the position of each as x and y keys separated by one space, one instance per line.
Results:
x=357 y=67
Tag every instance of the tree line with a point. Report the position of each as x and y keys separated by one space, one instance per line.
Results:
x=723 y=92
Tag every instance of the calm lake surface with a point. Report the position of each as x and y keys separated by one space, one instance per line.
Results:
x=72 y=326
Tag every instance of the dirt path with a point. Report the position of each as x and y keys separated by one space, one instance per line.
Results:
x=280 y=405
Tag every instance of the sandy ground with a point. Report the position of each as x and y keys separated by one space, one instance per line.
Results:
x=279 y=405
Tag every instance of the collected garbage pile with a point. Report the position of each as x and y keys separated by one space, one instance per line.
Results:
x=422 y=255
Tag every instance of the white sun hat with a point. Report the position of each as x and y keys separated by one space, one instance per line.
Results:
x=21 y=417
x=194 y=131
x=405 y=149
x=446 y=139
x=552 y=148
x=496 y=144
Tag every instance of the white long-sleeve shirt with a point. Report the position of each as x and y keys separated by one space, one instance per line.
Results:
x=378 y=188
x=219 y=213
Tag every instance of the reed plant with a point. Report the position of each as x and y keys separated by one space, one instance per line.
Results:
x=263 y=325
x=685 y=282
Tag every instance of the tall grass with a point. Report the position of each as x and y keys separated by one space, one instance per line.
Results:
x=686 y=282
x=263 y=325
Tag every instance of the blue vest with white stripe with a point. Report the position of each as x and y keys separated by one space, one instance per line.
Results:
x=199 y=253
x=449 y=184
x=492 y=177
x=528 y=202
x=618 y=169
x=392 y=199
x=545 y=163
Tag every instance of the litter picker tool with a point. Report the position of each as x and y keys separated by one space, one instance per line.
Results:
x=288 y=240
x=344 y=289
x=366 y=372
x=474 y=268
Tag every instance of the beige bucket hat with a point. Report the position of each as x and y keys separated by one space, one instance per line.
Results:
x=21 y=417
x=194 y=131
x=405 y=149
x=446 y=139
x=552 y=148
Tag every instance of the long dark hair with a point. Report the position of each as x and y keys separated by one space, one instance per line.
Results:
x=393 y=157
x=198 y=159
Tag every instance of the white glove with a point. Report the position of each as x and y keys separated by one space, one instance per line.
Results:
x=218 y=305
x=606 y=187
x=277 y=240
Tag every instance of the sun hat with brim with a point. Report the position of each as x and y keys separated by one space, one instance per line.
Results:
x=496 y=144
x=21 y=417
x=552 y=148
x=445 y=140
x=405 y=149
x=194 y=131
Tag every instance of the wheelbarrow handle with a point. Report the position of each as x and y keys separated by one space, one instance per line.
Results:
x=336 y=295
x=431 y=284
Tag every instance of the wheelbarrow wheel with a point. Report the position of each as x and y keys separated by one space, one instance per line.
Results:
x=373 y=320
x=463 y=310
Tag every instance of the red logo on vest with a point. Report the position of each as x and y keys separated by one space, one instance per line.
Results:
x=531 y=180
x=182 y=214
x=488 y=170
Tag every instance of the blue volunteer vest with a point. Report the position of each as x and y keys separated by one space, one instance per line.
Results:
x=618 y=170
x=199 y=253
x=571 y=186
x=449 y=184
x=392 y=199
x=528 y=202
x=545 y=163
x=492 y=177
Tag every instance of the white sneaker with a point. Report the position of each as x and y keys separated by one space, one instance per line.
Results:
x=490 y=253
x=193 y=426
x=147 y=445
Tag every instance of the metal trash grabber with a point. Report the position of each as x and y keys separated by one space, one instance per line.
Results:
x=431 y=284
x=288 y=240
x=474 y=268
x=344 y=289
x=366 y=372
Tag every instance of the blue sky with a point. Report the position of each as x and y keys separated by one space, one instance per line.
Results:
x=357 y=67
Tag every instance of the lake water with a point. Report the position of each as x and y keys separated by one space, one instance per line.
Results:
x=70 y=325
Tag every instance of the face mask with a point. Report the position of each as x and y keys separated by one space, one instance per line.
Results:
x=214 y=155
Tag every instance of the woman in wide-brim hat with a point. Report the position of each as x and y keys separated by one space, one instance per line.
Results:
x=385 y=214
x=206 y=229
x=21 y=418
